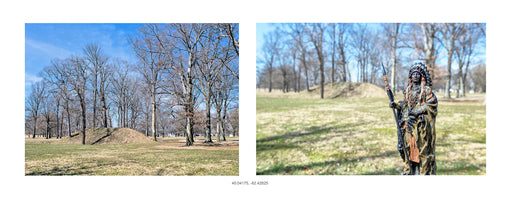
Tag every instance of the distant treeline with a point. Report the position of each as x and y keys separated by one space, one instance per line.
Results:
x=297 y=56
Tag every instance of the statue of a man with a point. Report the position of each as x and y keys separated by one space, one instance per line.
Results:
x=419 y=110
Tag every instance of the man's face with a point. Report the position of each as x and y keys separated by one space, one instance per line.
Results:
x=416 y=77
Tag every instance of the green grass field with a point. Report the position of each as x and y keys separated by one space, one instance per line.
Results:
x=166 y=157
x=357 y=136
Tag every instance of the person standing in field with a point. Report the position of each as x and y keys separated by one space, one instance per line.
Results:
x=419 y=110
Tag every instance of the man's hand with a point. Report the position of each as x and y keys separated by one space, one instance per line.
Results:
x=392 y=105
x=418 y=110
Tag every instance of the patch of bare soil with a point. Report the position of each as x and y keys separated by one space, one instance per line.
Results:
x=108 y=136
x=179 y=143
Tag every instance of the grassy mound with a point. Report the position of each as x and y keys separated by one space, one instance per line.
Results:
x=348 y=90
x=108 y=136
x=331 y=91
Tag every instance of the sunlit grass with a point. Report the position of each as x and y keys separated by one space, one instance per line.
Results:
x=358 y=136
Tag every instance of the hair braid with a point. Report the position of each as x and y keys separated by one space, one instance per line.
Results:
x=423 y=83
x=409 y=90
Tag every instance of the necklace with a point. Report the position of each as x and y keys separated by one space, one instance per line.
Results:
x=414 y=98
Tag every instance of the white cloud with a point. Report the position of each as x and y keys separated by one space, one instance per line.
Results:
x=31 y=79
x=48 y=49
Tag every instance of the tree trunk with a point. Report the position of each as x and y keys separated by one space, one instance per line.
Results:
x=429 y=37
x=35 y=126
x=333 y=50
x=270 y=79
x=94 y=104
x=105 y=118
x=153 y=114
x=306 y=72
x=47 y=135
x=189 y=106
x=222 y=121
x=298 y=79
x=120 y=117
x=82 y=104
x=208 y=121
x=69 y=119
x=322 y=79
x=189 y=132
x=459 y=80
x=294 y=74
x=461 y=87
x=448 y=76
x=348 y=73
x=219 y=118
x=147 y=124
x=393 y=68
x=285 y=85
x=222 y=131
x=57 y=115
x=464 y=80
x=393 y=56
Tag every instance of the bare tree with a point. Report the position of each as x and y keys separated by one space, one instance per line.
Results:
x=58 y=125
x=134 y=103
x=478 y=76
x=119 y=80
x=269 y=54
x=153 y=58
x=78 y=75
x=165 y=114
x=450 y=33
x=360 y=42
x=97 y=61
x=286 y=60
x=429 y=48
x=231 y=31
x=464 y=52
x=298 y=36
x=34 y=101
x=46 y=114
x=56 y=75
x=343 y=30
x=234 y=121
x=333 y=52
x=211 y=51
x=223 y=91
x=316 y=36
x=393 y=32
x=185 y=50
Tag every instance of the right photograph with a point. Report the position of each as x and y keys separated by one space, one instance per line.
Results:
x=371 y=99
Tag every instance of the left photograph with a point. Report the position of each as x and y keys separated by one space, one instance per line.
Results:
x=132 y=99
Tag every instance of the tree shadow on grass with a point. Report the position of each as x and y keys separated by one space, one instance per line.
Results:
x=312 y=135
x=279 y=169
x=460 y=168
x=60 y=171
x=69 y=170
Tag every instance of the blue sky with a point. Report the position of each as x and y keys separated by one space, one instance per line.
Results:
x=262 y=29
x=44 y=42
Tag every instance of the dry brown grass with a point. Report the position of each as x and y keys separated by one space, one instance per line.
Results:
x=167 y=156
